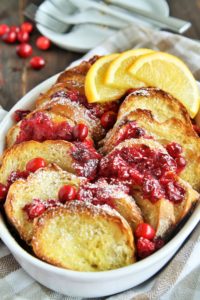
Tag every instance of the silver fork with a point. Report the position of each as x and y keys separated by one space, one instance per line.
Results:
x=57 y=21
x=45 y=19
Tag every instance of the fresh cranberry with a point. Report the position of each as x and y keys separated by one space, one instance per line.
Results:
x=108 y=119
x=23 y=36
x=174 y=149
x=145 y=230
x=145 y=247
x=24 y=50
x=35 y=164
x=15 y=28
x=9 y=37
x=80 y=132
x=34 y=209
x=37 y=62
x=67 y=193
x=27 y=26
x=3 y=191
x=4 y=28
x=20 y=114
x=43 y=43
x=130 y=130
x=181 y=163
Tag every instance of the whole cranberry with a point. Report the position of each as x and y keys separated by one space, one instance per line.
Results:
x=27 y=26
x=35 y=164
x=37 y=62
x=67 y=193
x=145 y=230
x=10 y=37
x=15 y=28
x=3 y=191
x=23 y=36
x=145 y=247
x=174 y=149
x=4 y=28
x=43 y=43
x=80 y=132
x=108 y=119
x=24 y=50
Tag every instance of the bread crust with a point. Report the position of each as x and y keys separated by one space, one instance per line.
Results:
x=162 y=105
x=85 y=214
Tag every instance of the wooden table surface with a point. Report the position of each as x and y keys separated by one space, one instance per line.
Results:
x=16 y=78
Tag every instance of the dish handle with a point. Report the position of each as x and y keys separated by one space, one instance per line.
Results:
x=3 y=113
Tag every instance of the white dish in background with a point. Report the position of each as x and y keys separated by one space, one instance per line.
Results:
x=85 y=284
x=82 y=38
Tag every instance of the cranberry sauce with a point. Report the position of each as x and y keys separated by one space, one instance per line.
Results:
x=40 y=127
x=141 y=167
x=130 y=130
x=37 y=207
x=96 y=110
x=20 y=114
x=86 y=160
x=98 y=193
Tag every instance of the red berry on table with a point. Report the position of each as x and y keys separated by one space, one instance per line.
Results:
x=3 y=191
x=27 y=26
x=15 y=28
x=43 y=43
x=9 y=37
x=37 y=62
x=144 y=247
x=145 y=230
x=80 y=132
x=67 y=193
x=24 y=50
x=35 y=164
x=108 y=119
x=4 y=28
x=23 y=36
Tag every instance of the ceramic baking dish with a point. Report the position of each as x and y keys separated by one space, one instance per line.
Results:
x=86 y=284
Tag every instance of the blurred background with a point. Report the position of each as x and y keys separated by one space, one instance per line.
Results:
x=16 y=76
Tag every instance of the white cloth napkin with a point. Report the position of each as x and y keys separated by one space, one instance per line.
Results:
x=180 y=278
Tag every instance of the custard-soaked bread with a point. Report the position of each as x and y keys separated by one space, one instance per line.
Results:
x=141 y=123
x=83 y=237
x=37 y=192
x=115 y=195
x=80 y=159
x=162 y=105
x=151 y=173
x=170 y=131
x=40 y=125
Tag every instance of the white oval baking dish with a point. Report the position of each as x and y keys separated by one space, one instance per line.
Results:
x=86 y=284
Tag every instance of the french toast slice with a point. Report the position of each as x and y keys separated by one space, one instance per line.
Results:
x=78 y=113
x=31 y=191
x=166 y=132
x=42 y=186
x=40 y=125
x=162 y=105
x=78 y=159
x=115 y=195
x=149 y=170
x=83 y=237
